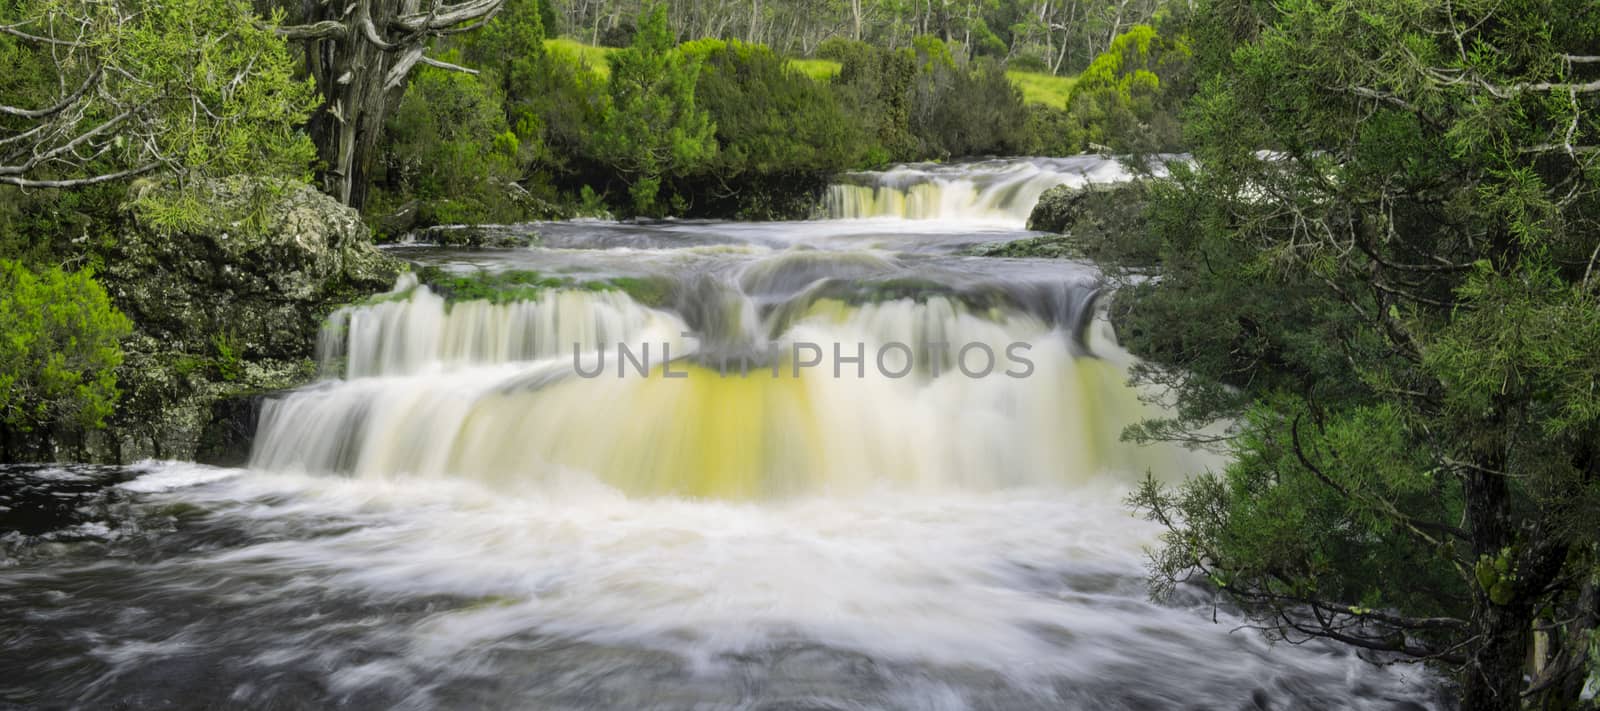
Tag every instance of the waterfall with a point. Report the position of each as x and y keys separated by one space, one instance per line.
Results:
x=925 y=393
x=1000 y=192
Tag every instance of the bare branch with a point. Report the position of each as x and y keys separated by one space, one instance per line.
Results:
x=430 y=61
x=60 y=106
x=446 y=16
x=326 y=29
x=402 y=66
x=78 y=182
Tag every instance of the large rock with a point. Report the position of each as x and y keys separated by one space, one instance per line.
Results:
x=226 y=304
x=260 y=267
x=1104 y=222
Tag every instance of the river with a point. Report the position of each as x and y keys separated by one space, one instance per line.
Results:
x=860 y=470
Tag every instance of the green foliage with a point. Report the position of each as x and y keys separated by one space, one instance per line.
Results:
x=780 y=136
x=1380 y=269
x=653 y=127
x=59 y=347
x=923 y=103
x=448 y=146
x=959 y=111
x=216 y=101
x=193 y=91
x=876 y=84
x=1128 y=98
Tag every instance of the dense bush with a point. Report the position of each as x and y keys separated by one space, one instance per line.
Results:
x=448 y=147
x=1128 y=98
x=780 y=135
x=965 y=110
x=924 y=103
x=653 y=128
x=58 y=352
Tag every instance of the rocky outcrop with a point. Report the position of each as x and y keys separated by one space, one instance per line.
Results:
x=1103 y=222
x=226 y=306
x=477 y=236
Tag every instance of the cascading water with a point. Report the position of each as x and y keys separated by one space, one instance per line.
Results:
x=998 y=191
x=501 y=504
x=924 y=392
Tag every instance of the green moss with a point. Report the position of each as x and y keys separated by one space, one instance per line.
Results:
x=495 y=287
x=654 y=292
x=228 y=362
x=526 y=285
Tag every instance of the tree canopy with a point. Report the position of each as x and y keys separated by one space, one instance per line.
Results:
x=100 y=91
x=1381 y=266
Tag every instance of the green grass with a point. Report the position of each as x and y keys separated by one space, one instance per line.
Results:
x=595 y=58
x=817 y=69
x=1042 y=88
x=1036 y=88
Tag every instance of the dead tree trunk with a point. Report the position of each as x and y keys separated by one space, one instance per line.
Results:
x=360 y=53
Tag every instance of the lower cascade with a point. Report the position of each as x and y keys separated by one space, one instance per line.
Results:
x=926 y=393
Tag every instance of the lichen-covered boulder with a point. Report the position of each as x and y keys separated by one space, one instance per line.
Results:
x=259 y=264
x=227 y=286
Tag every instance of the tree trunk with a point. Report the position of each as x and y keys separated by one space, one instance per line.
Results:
x=1493 y=680
x=360 y=55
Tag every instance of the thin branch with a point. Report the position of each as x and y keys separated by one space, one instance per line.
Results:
x=59 y=107
x=430 y=61
x=78 y=182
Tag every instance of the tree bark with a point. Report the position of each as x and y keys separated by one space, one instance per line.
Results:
x=360 y=53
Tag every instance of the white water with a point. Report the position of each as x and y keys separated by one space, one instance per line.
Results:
x=1000 y=192
x=522 y=414
x=456 y=518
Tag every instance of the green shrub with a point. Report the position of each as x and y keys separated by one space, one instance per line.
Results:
x=1128 y=99
x=780 y=135
x=59 y=347
x=448 y=146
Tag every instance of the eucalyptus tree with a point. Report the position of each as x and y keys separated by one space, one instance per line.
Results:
x=360 y=53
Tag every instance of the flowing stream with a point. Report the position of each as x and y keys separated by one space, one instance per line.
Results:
x=831 y=464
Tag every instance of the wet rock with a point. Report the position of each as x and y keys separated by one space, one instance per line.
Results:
x=477 y=236
x=226 y=304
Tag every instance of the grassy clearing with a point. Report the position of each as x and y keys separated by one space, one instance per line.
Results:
x=1043 y=88
x=1036 y=88
x=817 y=69
x=595 y=58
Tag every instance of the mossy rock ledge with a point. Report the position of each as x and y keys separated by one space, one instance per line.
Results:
x=226 y=307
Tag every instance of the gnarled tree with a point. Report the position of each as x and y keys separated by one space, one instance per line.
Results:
x=360 y=53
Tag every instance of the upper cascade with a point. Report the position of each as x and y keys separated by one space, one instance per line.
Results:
x=1000 y=192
